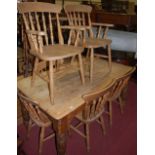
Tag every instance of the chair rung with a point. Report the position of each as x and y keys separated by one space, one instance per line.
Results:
x=106 y=112
x=79 y=132
x=78 y=125
x=48 y=137
x=42 y=76
x=98 y=121
x=41 y=65
x=100 y=55
x=65 y=71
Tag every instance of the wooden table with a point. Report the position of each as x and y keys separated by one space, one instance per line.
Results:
x=68 y=100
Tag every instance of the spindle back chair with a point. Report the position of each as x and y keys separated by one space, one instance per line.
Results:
x=93 y=111
x=119 y=92
x=80 y=15
x=37 y=117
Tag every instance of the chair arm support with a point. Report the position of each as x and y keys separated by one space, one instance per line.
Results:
x=36 y=40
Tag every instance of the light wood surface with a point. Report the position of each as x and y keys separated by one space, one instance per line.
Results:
x=59 y=52
x=68 y=89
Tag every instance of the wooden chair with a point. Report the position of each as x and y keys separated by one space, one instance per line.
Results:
x=93 y=111
x=36 y=117
x=79 y=15
x=118 y=92
x=43 y=29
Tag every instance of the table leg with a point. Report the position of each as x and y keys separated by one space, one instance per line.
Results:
x=61 y=129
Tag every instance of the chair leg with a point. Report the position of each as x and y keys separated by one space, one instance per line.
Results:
x=109 y=57
x=88 y=53
x=51 y=82
x=91 y=64
x=72 y=59
x=121 y=104
x=41 y=138
x=81 y=68
x=102 y=124
x=87 y=137
x=34 y=70
x=87 y=61
x=29 y=128
x=110 y=112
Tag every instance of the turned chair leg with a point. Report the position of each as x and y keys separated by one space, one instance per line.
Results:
x=72 y=59
x=41 y=139
x=34 y=70
x=102 y=124
x=88 y=53
x=29 y=128
x=121 y=104
x=110 y=112
x=109 y=57
x=87 y=137
x=81 y=68
x=87 y=61
x=91 y=64
x=51 y=82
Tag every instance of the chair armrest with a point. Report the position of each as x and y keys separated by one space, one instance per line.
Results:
x=102 y=27
x=82 y=28
x=103 y=24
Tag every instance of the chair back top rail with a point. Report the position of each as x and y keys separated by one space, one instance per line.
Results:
x=38 y=7
x=78 y=8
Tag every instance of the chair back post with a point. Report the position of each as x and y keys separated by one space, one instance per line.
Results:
x=95 y=101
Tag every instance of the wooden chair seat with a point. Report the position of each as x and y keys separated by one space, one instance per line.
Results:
x=57 y=52
x=96 y=43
